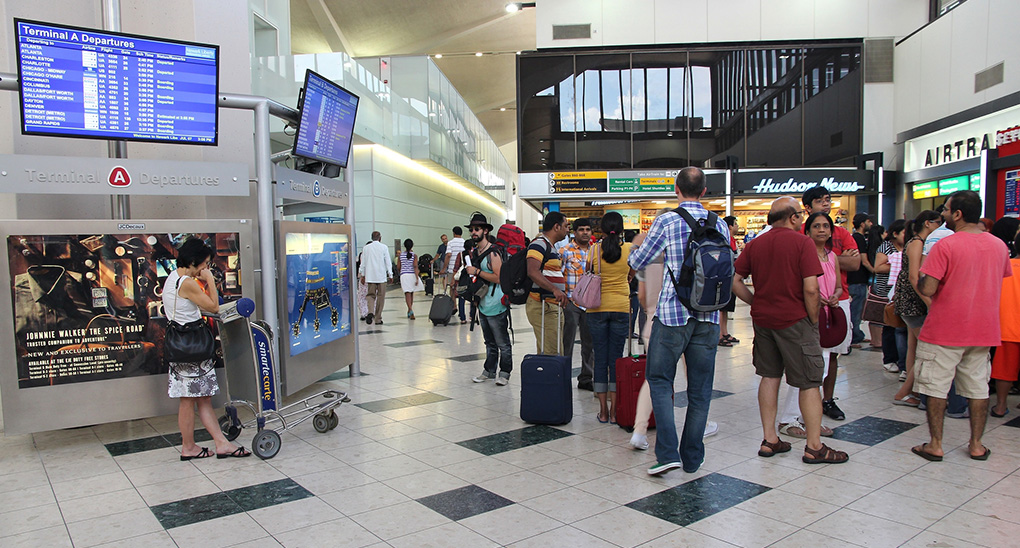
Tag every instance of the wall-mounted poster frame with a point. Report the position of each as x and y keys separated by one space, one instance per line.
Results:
x=315 y=286
x=111 y=274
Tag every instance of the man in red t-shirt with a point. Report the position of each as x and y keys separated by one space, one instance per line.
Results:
x=784 y=311
x=817 y=200
x=963 y=276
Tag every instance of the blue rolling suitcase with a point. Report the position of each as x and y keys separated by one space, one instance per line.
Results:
x=546 y=397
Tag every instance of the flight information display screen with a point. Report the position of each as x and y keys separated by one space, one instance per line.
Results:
x=327 y=121
x=79 y=82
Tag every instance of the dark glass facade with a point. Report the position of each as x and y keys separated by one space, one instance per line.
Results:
x=771 y=105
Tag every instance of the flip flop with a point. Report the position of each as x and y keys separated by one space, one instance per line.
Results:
x=984 y=456
x=203 y=454
x=240 y=452
x=991 y=411
x=905 y=400
x=600 y=420
x=919 y=451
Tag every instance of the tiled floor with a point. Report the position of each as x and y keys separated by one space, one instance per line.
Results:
x=425 y=457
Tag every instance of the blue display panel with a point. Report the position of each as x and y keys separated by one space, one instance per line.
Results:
x=86 y=83
x=327 y=121
x=318 y=294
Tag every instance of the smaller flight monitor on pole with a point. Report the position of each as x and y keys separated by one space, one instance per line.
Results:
x=78 y=82
x=327 y=121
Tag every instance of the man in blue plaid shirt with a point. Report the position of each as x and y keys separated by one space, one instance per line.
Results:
x=676 y=332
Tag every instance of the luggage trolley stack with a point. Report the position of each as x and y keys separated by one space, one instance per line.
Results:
x=319 y=407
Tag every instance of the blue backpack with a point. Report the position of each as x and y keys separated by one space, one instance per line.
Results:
x=706 y=276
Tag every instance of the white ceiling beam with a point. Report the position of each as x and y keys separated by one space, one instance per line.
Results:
x=434 y=42
x=330 y=29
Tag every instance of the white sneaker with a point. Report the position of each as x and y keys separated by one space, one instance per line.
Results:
x=891 y=367
x=502 y=381
x=711 y=428
x=903 y=376
x=481 y=378
x=639 y=442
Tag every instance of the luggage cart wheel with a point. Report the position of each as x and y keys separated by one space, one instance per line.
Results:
x=266 y=444
x=230 y=431
x=334 y=420
x=321 y=423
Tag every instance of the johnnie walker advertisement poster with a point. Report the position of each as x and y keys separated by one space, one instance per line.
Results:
x=88 y=307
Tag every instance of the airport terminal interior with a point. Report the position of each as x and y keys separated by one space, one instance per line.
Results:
x=287 y=135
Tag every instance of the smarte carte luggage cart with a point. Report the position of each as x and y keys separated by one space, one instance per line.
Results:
x=319 y=407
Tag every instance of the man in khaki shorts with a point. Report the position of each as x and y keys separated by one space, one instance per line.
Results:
x=784 y=311
x=963 y=276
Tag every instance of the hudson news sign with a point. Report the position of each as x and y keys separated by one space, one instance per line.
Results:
x=796 y=181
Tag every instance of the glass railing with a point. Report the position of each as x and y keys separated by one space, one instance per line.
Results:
x=429 y=122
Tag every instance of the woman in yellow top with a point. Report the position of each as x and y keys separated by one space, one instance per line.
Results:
x=608 y=322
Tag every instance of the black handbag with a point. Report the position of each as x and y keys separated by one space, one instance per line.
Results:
x=192 y=342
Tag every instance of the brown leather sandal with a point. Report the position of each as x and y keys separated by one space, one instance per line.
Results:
x=776 y=448
x=824 y=455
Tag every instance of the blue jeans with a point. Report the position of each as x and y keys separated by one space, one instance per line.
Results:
x=608 y=336
x=858 y=294
x=496 y=333
x=894 y=346
x=697 y=341
x=955 y=403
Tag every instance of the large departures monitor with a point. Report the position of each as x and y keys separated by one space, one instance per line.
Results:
x=327 y=121
x=79 y=82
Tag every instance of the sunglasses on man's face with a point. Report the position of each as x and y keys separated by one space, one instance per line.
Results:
x=476 y=229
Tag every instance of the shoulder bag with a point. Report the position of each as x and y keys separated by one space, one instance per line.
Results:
x=588 y=290
x=874 y=309
x=191 y=342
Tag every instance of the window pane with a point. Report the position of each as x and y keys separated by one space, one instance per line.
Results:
x=656 y=90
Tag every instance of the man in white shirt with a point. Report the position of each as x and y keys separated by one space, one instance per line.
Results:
x=376 y=272
x=453 y=250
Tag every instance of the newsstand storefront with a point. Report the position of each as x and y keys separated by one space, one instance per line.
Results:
x=746 y=194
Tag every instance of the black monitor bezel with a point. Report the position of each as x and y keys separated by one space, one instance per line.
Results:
x=21 y=102
x=301 y=112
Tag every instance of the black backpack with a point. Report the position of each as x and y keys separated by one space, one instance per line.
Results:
x=471 y=287
x=706 y=276
x=513 y=276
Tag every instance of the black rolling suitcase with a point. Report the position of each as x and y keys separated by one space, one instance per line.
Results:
x=546 y=397
x=442 y=309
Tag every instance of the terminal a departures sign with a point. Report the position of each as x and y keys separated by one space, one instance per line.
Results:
x=29 y=174
x=623 y=182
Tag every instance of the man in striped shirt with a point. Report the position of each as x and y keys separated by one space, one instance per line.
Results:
x=676 y=332
x=546 y=272
x=575 y=255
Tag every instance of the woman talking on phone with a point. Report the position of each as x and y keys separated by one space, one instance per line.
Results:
x=188 y=291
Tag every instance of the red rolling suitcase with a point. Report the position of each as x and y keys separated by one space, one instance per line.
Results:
x=630 y=375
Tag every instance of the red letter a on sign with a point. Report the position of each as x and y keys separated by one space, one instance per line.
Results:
x=119 y=177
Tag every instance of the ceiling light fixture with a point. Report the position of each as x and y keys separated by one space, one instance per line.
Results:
x=514 y=7
x=502 y=109
x=478 y=54
x=438 y=56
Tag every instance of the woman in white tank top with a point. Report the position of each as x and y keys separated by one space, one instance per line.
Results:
x=194 y=384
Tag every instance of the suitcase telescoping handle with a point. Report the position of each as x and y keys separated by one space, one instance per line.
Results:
x=559 y=326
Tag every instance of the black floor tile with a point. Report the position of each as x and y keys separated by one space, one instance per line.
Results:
x=514 y=439
x=370 y=331
x=468 y=357
x=698 y=499
x=268 y=494
x=137 y=446
x=423 y=398
x=870 y=430
x=465 y=502
x=194 y=510
x=680 y=398
x=401 y=402
x=405 y=344
x=200 y=436
x=1015 y=423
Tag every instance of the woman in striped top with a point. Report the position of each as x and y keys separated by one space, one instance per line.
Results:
x=409 y=281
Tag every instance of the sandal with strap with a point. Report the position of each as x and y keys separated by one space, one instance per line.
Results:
x=775 y=448
x=203 y=454
x=824 y=455
x=240 y=452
